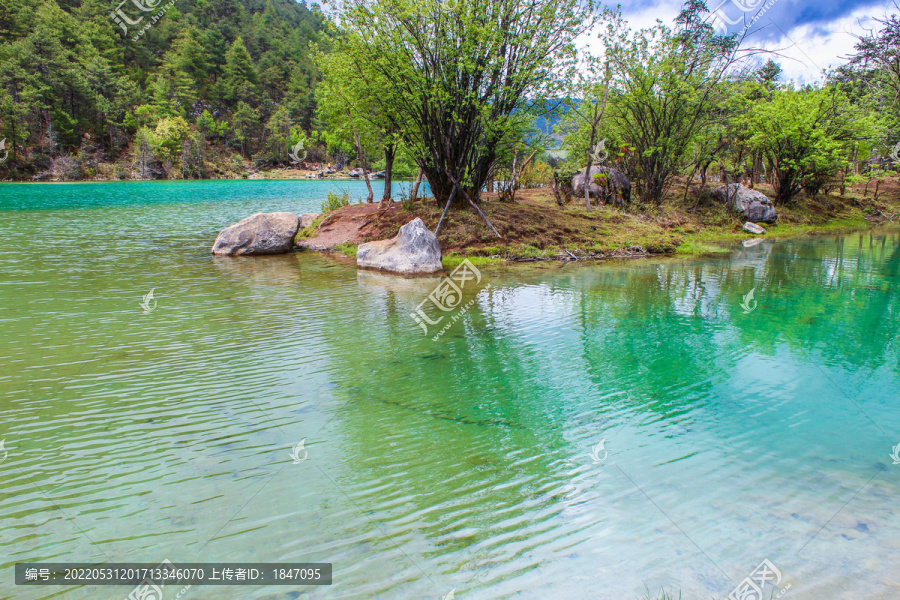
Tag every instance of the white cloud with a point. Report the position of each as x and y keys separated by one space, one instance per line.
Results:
x=665 y=11
x=803 y=51
x=808 y=49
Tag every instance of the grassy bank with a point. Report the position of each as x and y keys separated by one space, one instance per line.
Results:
x=534 y=227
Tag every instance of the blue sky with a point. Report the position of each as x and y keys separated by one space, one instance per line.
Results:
x=811 y=34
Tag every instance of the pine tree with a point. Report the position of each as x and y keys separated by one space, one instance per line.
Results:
x=240 y=82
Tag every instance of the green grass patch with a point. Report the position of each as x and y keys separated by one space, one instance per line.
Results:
x=836 y=225
x=697 y=248
x=310 y=231
x=347 y=249
x=452 y=260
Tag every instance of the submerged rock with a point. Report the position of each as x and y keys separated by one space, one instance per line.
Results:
x=260 y=233
x=753 y=228
x=752 y=205
x=414 y=251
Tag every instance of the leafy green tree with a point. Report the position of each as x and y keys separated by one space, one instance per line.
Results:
x=246 y=125
x=355 y=108
x=240 y=81
x=11 y=127
x=167 y=140
x=769 y=74
x=464 y=76
x=183 y=77
x=280 y=135
x=142 y=149
x=66 y=70
x=210 y=127
x=586 y=100
x=666 y=83
x=805 y=136
x=877 y=63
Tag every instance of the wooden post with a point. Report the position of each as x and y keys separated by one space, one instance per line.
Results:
x=447 y=207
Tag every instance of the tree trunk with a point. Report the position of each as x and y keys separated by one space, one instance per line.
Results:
x=559 y=199
x=587 y=177
x=441 y=186
x=595 y=128
x=687 y=186
x=362 y=162
x=12 y=122
x=415 y=189
x=754 y=171
x=389 y=152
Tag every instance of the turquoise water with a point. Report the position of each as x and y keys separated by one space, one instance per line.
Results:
x=470 y=463
x=307 y=195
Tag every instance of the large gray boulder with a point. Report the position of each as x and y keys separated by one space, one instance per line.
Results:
x=306 y=219
x=415 y=251
x=620 y=183
x=260 y=233
x=752 y=205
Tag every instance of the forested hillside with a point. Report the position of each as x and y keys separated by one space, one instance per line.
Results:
x=174 y=89
x=206 y=82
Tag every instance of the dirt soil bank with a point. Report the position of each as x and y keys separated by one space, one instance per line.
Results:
x=534 y=227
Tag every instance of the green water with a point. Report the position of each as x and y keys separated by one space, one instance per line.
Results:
x=458 y=464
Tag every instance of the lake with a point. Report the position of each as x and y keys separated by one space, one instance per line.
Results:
x=581 y=431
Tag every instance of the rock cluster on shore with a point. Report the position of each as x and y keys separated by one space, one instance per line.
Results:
x=619 y=183
x=754 y=206
x=414 y=251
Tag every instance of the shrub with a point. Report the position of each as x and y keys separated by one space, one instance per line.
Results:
x=335 y=201
x=347 y=249
x=537 y=174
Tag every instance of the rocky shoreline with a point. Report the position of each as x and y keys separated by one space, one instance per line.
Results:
x=397 y=237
